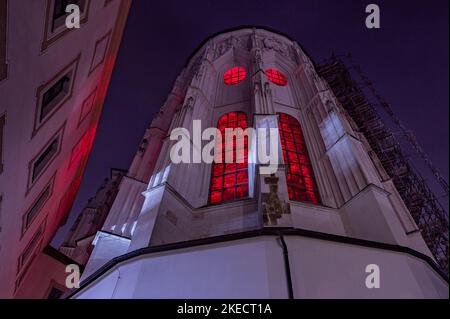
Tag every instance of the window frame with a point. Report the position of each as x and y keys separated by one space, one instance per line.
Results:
x=71 y=69
x=106 y=37
x=87 y=106
x=49 y=99
x=32 y=180
x=234 y=171
x=81 y=149
x=300 y=157
x=31 y=247
x=54 y=285
x=52 y=35
x=26 y=223
x=23 y=268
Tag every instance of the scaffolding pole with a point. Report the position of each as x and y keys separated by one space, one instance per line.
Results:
x=430 y=216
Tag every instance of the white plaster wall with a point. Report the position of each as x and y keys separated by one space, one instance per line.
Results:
x=106 y=247
x=245 y=269
x=317 y=218
x=334 y=270
x=254 y=268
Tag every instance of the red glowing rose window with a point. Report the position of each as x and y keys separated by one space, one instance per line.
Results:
x=300 y=176
x=229 y=181
x=276 y=77
x=234 y=75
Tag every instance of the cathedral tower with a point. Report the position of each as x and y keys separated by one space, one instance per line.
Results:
x=309 y=229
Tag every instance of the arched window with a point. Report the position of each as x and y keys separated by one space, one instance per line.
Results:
x=277 y=77
x=229 y=181
x=234 y=75
x=300 y=176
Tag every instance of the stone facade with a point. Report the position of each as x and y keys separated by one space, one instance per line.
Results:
x=356 y=200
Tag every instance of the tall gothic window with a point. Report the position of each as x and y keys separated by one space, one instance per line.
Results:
x=229 y=181
x=300 y=176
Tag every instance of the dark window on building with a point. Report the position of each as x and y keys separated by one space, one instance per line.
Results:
x=3 y=13
x=229 y=181
x=54 y=95
x=2 y=128
x=31 y=247
x=59 y=11
x=300 y=176
x=60 y=8
x=36 y=207
x=55 y=293
x=44 y=158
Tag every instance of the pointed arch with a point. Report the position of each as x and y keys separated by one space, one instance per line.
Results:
x=229 y=181
x=300 y=178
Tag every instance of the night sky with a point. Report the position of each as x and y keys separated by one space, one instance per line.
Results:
x=407 y=59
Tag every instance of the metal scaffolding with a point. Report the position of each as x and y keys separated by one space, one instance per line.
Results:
x=427 y=211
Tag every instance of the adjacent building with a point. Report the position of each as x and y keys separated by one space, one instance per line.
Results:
x=329 y=215
x=78 y=242
x=46 y=278
x=53 y=83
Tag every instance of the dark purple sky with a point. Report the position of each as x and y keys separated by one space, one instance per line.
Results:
x=407 y=59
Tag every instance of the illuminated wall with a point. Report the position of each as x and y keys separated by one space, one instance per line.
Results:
x=326 y=182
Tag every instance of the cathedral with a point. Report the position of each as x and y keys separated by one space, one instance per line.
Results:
x=328 y=222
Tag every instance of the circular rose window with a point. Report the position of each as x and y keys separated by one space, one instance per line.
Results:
x=276 y=77
x=234 y=75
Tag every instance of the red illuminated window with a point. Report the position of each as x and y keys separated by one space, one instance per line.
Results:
x=229 y=181
x=234 y=75
x=276 y=77
x=300 y=176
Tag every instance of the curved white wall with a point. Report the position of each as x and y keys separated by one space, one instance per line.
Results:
x=254 y=268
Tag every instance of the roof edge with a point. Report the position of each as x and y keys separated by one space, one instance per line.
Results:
x=241 y=27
